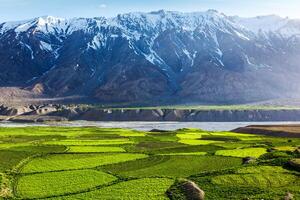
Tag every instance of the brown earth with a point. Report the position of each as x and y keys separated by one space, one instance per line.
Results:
x=272 y=130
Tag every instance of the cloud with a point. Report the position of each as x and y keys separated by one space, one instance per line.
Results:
x=102 y=6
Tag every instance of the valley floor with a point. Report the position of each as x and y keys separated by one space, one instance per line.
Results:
x=112 y=163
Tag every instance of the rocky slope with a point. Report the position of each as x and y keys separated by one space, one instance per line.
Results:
x=154 y=57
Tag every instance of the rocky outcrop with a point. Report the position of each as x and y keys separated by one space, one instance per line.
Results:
x=192 y=191
x=37 y=118
x=31 y=113
x=44 y=110
x=12 y=111
x=249 y=160
x=93 y=114
x=90 y=113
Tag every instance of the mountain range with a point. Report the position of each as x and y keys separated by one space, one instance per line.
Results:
x=161 y=56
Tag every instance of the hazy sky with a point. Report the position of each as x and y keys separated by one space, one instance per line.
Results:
x=25 y=9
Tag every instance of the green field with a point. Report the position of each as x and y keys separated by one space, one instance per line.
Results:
x=94 y=149
x=89 y=142
x=140 y=189
x=58 y=162
x=255 y=180
x=176 y=166
x=59 y=183
x=242 y=153
x=95 y=163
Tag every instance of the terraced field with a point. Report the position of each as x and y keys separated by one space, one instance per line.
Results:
x=255 y=180
x=177 y=166
x=92 y=163
x=247 y=152
x=59 y=162
x=94 y=149
x=59 y=183
x=90 y=142
x=140 y=189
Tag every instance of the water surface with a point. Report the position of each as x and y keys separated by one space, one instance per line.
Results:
x=146 y=126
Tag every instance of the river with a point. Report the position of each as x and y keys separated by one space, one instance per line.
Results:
x=146 y=126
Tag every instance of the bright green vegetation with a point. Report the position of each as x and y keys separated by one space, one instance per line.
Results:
x=185 y=154
x=262 y=170
x=198 y=142
x=234 y=145
x=153 y=146
x=286 y=148
x=132 y=134
x=176 y=166
x=255 y=180
x=76 y=161
x=5 y=146
x=140 y=189
x=90 y=142
x=187 y=149
x=192 y=137
x=267 y=178
x=94 y=149
x=97 y=163
x=58 y=183
x=248 y=152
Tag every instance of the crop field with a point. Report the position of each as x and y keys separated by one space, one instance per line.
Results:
x=60 y=163
x=179 y=166
x=90 y=142
x=140 y=189
x=58 y=183
x=255 y=180
x=94 y=149
x=242 y=153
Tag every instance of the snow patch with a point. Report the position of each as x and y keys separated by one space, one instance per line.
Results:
x=76 y=67
x=29 y=48
x=45 y=46
x=242 y=36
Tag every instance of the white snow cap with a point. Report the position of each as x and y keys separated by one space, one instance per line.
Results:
x=161 y=19
x=47 y=24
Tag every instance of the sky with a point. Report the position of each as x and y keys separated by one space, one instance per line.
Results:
x=12 y=10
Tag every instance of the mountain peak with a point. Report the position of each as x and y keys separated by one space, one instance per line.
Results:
x=49 y=18
x=212 y=11
x=160 y=18
x=162 y=11
x=42 y=21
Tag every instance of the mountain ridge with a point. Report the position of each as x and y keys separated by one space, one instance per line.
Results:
x=155 y=56
x=48 y=19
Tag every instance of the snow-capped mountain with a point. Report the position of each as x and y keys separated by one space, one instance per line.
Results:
x=191 y=57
